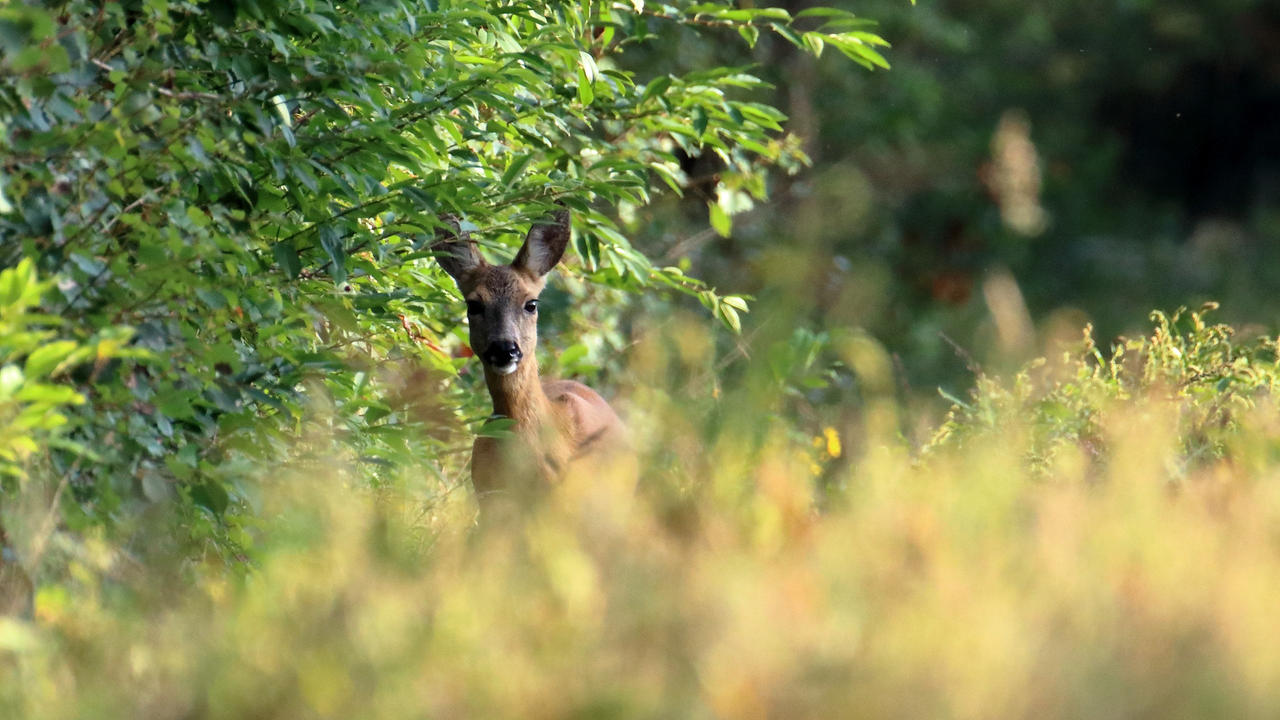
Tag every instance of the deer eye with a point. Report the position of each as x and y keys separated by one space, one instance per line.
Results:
x=531 y=307
x=474 y=307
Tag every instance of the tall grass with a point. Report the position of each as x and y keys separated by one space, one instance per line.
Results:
x=1094 y=537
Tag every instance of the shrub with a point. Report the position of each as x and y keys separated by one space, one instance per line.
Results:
x=1188 y=367
x=251 y=189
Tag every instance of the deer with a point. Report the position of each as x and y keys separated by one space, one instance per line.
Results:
x=559 y=428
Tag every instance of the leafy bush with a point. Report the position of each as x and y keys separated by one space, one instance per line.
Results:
x=251 y=188
x=1191 y=368
x=36 y=398
x=31 y=408
x=1049 y=111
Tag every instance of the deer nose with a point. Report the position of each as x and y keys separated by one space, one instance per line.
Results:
x=502 y=353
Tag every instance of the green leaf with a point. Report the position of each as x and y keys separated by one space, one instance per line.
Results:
x=699 y=120
x=588 y=66
x=514 y=168
x=951 y=398
x=334 y=246
x=212 y=298
x=814 y=43
x=656 y=88
x=497 y=427
x=585 y=94
x=730 y=318
x=791 y=35
x=573 y=354
x=43 y=361
x=197 y=216
x=824 y=12
x=287 y=258
x=48 y=394
x=720 y=220
x=212 y=496
x=15 y=283
x=176 y=405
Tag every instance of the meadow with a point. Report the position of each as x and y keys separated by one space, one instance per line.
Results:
x=888 y=468
x=1091 y=537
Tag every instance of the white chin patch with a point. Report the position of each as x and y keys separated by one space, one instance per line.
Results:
x=505 y=369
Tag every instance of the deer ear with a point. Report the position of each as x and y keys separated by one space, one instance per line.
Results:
x=544 y=246
x=455 y=251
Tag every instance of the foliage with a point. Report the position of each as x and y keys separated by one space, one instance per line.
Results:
x=966 y=584
x=1151 y=178
x=1134 y=139
x=30 y=409
x=243 y=355
x=1187 y=370
x=251 y=190
x=36 y=394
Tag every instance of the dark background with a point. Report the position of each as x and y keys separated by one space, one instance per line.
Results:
x=1140 y=170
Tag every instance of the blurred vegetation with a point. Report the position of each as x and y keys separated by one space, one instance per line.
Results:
x=235 y=402
x=1091 y=538
x=1111 y=157
x=248 y=192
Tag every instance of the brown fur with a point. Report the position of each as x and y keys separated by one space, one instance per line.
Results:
x=561 y=428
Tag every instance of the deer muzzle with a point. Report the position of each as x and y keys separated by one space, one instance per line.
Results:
x=503 y=356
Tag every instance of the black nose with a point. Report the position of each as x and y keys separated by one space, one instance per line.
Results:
x=502 y=352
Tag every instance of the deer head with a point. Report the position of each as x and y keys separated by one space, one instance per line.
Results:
x=502 y=300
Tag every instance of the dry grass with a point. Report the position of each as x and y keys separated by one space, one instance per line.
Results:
x=965 y=583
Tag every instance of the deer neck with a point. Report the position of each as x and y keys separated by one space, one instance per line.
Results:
x=519 y=396
x=539 y=427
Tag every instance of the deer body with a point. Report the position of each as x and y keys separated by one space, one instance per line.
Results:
x=560 y=428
